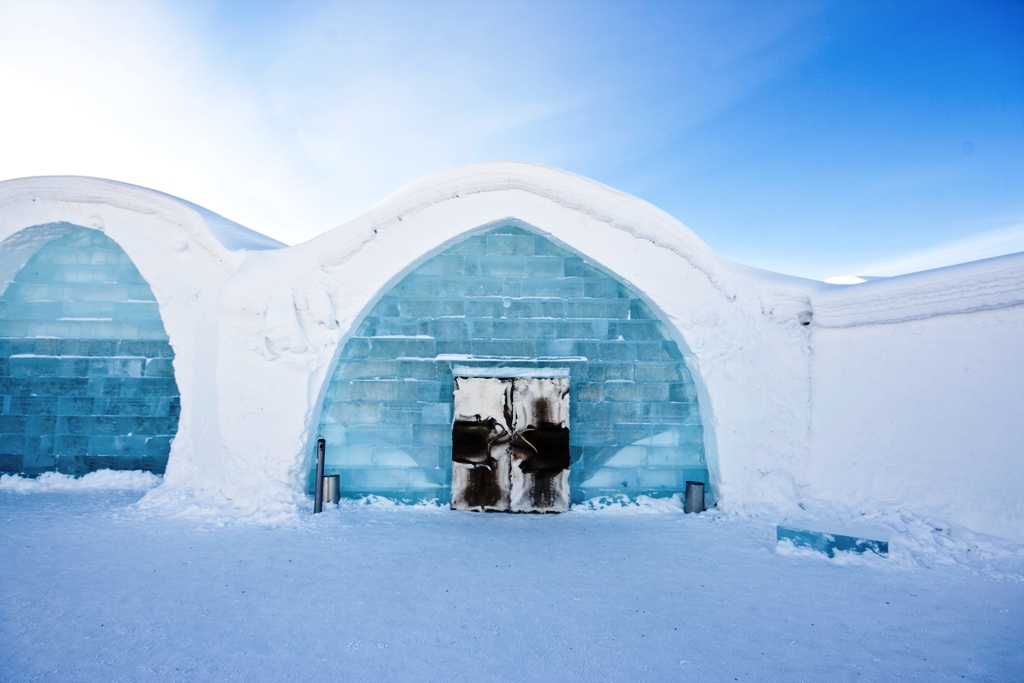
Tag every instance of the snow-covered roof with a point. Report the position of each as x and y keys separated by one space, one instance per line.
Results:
x=226 y=233
x=990 y=283
x=570 y=191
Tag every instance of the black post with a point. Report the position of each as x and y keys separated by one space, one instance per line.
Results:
x=318 y=495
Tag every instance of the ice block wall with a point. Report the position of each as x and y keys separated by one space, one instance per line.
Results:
x=512 y=299
x=86 y=370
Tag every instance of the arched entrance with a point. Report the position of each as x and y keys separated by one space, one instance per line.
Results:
x=86 y=374
x=510 y=302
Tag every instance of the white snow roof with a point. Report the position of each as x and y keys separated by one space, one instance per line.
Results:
x=84 y=190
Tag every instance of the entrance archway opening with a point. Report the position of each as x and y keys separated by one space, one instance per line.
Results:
x=511 y=303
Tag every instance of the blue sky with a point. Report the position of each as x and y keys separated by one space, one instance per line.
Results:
x=812 y=138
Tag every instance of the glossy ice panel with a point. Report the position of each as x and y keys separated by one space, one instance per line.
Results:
x=86 y=370
x=830 y=544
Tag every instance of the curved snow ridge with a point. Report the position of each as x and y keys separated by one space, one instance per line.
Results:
x=990 y=283
x=583 y=195
x=234 y=236
x=196 y=220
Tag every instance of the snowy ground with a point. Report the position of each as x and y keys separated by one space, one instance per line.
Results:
x=94 y=590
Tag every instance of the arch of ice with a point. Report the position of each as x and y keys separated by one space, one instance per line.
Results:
x=86 y=370
x=509 y=301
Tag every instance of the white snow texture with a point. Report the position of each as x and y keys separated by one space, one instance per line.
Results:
x=102 y=480
x=898 y=394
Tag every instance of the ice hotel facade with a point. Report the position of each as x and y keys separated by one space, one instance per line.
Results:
x=494 y=303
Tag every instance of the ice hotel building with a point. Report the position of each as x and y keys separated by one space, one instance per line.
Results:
x=501 y=303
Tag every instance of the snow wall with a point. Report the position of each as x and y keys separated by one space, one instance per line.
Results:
x=901 y=393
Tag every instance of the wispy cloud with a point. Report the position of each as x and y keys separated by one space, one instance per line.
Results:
x=293 y=117
x=1007 y=240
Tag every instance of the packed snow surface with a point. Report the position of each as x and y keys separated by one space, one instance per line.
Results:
x=94 y=589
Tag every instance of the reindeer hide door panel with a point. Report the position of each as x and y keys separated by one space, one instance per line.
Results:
x=480 y=438
x=540 y=445
x=510 y=445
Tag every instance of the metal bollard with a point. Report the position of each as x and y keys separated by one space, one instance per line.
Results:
x=694 y=497
x=318 y=492
x=332 y=488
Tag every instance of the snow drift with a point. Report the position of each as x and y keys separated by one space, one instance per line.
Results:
x=102 y=480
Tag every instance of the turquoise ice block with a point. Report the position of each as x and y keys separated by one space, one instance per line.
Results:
x=830 y=544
